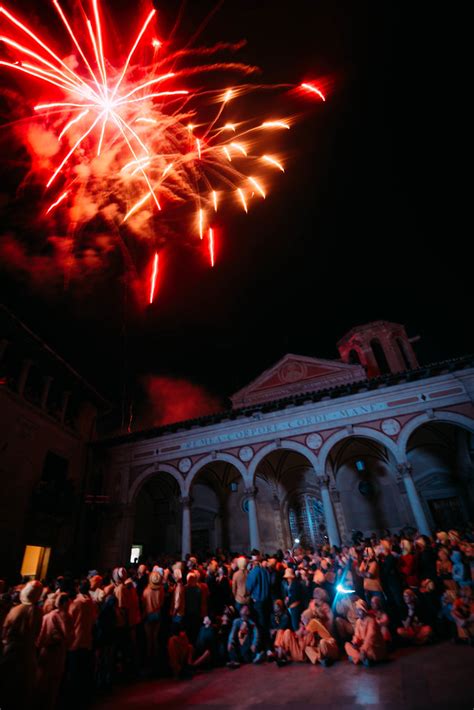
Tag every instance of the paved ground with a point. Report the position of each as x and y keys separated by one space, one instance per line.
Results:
x=440 y=676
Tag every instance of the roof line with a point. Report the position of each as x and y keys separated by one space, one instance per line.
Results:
x=391 y=379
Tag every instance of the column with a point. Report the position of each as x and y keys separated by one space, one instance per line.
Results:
x=186 y=527
x=45 y=392
x=251 y=494
x=331 y=522
x=24 y=375
x=414 y=499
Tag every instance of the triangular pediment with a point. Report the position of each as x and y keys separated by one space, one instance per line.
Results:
x=295 y=374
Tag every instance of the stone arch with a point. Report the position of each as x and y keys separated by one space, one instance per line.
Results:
x=154 y=470
x=438 y=449
x=447 y=417
x=284 y=444
x=368 y=497
x=213 y=458
x=284 y=474
x=357 y=431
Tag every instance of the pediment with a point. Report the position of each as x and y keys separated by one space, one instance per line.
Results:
x=296 y=374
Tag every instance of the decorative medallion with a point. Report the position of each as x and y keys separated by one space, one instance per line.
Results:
x=314 y=441
x=246 y=453
x=391 y=427
x=184 y=465
x=292 y=372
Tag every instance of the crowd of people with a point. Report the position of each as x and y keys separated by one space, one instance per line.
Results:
x=69 y=639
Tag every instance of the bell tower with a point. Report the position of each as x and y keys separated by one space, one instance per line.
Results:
x=380 y=347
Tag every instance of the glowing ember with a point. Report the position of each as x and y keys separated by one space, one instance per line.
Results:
x=314 y=90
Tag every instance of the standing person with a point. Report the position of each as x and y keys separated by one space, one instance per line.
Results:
x=153 y=597
x=258 y=588
x=177 y=606
x=18 y=666
x=53 y=643
x=369 y=570
x=239 y=582
x=223 y=593
x=407 y=565
x=83 y=614
x=426 y=558
x=293 y=596
x=193 y=607
x=391 y=579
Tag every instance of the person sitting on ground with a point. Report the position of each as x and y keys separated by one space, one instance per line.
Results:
x=382 y=619
x=346 y=618
x=463 y=616
x=244 y=640
x=293 y=595
x=180 y=653
x=367 y=645
x=223 y=632
x=279 y=623
x=323 y=648
x=413 y=629
x=206 y=645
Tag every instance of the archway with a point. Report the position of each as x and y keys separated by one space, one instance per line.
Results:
x=157 y=522
x=365 y=476
x=442 y=458
x=288 y=501
x=218 y=511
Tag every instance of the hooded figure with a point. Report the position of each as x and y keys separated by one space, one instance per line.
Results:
x=367 y=645
x=18 y=666
x=239 y=580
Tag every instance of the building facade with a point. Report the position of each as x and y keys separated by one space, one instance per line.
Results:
x=47 y=419
x=311 y=450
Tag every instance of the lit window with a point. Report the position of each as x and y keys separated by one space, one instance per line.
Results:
x=136 y=553
x=360 y=465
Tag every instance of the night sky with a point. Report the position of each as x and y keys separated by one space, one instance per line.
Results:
x=360 y=227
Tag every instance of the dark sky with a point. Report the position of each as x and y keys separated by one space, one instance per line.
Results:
x=359 y=228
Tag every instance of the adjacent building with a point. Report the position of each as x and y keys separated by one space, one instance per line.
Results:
x=48 y=415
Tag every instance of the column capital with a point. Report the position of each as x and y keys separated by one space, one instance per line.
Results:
x=186 y=501
x=324 y=481
x=404 y=470
x=251 y=491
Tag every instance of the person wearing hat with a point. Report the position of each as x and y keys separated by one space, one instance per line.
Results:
x=293 y=595
x=53 y=643
x=153 y=598
x=367 y=645
x=96 y=592
x=239 y=580
x=18 y=665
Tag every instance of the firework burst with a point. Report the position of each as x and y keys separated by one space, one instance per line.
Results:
x=132 y=142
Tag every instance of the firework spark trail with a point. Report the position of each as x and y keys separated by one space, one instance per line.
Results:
x=211 y=246
x=153 y=277
x=125 y=140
